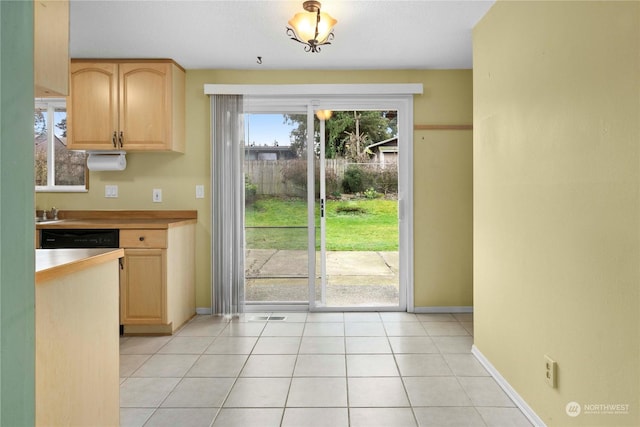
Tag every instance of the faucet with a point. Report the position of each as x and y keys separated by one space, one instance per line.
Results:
x=54 y=213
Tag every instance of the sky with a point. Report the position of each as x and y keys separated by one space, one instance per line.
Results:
x=267 y=128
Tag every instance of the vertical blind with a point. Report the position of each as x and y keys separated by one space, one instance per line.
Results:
x=227 y=159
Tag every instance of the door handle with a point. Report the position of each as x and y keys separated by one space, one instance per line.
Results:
x=120 y=139
x=115 y=144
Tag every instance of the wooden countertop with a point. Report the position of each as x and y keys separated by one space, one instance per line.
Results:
x=120 y=223
x=121 y=219
x=54 y=263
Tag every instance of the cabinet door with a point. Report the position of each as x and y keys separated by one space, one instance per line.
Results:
x=51 y=47
x=145 y=105
x=92 y=106
x=143 y=290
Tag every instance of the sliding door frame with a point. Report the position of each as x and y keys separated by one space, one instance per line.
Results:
x=298 y=98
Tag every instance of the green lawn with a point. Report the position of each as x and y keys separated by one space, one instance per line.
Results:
x=357 y=225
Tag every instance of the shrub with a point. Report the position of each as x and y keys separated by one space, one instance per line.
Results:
x=387 y=179
x=294 y=173
x=353 y=181
x=250 y=191
x=371 y=193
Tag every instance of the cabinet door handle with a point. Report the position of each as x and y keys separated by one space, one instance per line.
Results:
x=121 y=138
x=141 y=238
x=115 y=144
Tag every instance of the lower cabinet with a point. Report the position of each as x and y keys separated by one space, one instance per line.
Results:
x=157 y=279
x=143 y=283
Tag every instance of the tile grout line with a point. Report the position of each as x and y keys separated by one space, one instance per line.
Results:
x=346 y=369
x=286 y=400
x=226 y=397
x=219 y=409
x=186 y=372
x=472 y=405
x=404 y=386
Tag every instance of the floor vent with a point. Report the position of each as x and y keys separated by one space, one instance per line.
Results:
x=267 y=318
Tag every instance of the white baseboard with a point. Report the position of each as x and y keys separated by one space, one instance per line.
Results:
x=256 y=308
x=502 y=382
x=260 y=308
x=270 y=307
x=448 y=309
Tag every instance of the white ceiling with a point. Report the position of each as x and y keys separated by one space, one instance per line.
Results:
x=210 y=34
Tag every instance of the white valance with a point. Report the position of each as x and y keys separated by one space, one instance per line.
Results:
x=313 y=90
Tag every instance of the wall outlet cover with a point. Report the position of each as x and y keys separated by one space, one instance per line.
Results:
x=551 y=372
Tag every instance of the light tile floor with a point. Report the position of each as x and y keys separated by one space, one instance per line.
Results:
x=316 y=369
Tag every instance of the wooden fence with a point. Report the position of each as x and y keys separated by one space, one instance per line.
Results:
x=269 y=179
x=288 y=177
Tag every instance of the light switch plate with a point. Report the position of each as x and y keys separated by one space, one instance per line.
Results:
x=199 y=191
x=111 y=191
x=157 y=195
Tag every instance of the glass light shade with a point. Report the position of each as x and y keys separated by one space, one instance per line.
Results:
x=304 y=25
x=324 y=114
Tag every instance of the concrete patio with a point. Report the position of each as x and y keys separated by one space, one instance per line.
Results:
x=353 y=278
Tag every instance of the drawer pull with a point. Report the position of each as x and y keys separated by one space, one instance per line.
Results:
x=141 y=238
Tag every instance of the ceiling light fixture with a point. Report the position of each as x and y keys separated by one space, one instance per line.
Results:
x=311 y=28
x=324 y=114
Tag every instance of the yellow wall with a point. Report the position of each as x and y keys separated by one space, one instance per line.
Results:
x=442 y=178
x=556 y=203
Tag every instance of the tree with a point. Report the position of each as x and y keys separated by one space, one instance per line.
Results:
x=62 y=125
x=343 y=127
x=298 y=135
x=39 y=123
x=355 y=147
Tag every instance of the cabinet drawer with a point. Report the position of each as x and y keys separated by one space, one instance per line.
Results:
x=143 y=239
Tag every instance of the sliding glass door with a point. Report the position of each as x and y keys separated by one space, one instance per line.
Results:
x=324 y=228
x=356 y=211
x=276 y=206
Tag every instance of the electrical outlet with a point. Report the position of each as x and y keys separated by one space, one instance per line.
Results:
x=200 y=191
x=551 y=371
x=111 y=191
x=157 y=195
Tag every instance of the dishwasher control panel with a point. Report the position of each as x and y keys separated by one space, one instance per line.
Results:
x=79 y=238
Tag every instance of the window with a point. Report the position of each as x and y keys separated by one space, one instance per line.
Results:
x=56 y=168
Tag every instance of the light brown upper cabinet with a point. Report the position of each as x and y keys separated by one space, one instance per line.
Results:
x=51 y=47
x=130 y=105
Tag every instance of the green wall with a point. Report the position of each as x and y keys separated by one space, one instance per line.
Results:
x=557 y=203
x=442 y=175
x=17 y=272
